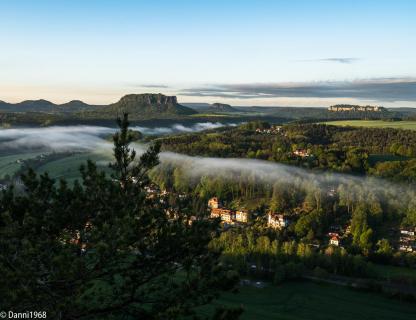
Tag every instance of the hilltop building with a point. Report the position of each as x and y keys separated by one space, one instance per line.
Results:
x=353 y=108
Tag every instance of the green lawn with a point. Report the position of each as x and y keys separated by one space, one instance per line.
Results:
x=309 y=301
x=410 y=125
x=392 y=272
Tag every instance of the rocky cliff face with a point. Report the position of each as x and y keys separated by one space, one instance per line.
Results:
x=148 y=104
x=149 y=99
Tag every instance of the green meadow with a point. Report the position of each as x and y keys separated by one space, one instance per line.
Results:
x=68 y=167
x=395 y=273
x=9 y=164
x=310 y=301
x=408 y=125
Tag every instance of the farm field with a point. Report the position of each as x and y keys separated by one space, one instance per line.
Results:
x=11 y=163
x=408 y=125
x=68 y=168
x=309 y=301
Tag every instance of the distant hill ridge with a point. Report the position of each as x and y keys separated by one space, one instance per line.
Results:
x=215 y=107
x=137 y=105
x=42 y=105
x=222 y=107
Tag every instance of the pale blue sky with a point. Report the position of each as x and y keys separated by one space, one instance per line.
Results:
x=241 y=52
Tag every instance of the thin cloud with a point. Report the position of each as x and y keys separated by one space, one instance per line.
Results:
x=337 y=60
x=163 y=86
x=380 y=89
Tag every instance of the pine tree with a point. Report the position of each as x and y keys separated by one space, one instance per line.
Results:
x=102 y=249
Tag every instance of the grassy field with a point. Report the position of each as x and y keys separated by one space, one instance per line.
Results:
x=68 y=167
x=393 y=272
x=409 y=125
x=309 y=301
x=11 y=163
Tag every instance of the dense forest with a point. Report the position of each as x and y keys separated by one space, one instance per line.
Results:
x=368 y=211
x=342 y=149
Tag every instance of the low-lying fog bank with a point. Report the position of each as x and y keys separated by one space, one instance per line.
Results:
x=92 y=138
x=82 y=138
x=270 y=173
x=178 y=128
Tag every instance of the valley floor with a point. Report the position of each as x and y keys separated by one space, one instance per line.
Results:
x=309 y=301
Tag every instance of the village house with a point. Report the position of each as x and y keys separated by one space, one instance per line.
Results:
x=271 y=130
x=407 y=241
x=214 y=203
x=151 y=191
x=242 y=216
x=407 y=232
x=407 y=247
x=333 y=234
x=277 y=221
x=334 y=241
x=335 y=230
x=226 y=215
x=303 y=153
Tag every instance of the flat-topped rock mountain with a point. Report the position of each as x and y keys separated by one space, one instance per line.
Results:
x=145 y=105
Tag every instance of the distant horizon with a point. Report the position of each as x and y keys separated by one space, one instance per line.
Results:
x=191 y=102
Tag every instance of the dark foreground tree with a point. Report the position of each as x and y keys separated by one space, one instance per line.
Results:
x=104 y=249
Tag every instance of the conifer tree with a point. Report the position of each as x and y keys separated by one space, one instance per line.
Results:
x=103 y=249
